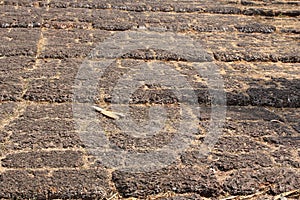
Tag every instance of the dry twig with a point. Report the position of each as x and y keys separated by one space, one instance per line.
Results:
x=110 y=114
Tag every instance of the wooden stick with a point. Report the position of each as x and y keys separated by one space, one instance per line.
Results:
x=110 y=114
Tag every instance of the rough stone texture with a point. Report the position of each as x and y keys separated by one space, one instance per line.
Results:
x=178 y=180
x=63 y=44
x=21 y=17
x=19 y=42
x=45 y=45
x=239 y=144
x=11 y=74
x=255 y=28
x=252 y=160
x=286 y=157
x=50 y=111
x=52 y=81
x=257 y=180
x=7 y=110
x=54 y=159
x=64 y=183
x=41 y=128
x=185 y=197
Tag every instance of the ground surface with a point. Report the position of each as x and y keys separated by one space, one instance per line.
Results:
x=254 y=44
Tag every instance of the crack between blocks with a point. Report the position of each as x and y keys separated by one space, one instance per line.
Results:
x=40 y=48
x=21 y=106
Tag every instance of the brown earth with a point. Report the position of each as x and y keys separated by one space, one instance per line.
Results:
x=255 y=46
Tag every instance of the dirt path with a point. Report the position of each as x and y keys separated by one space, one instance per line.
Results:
x=244 y=52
